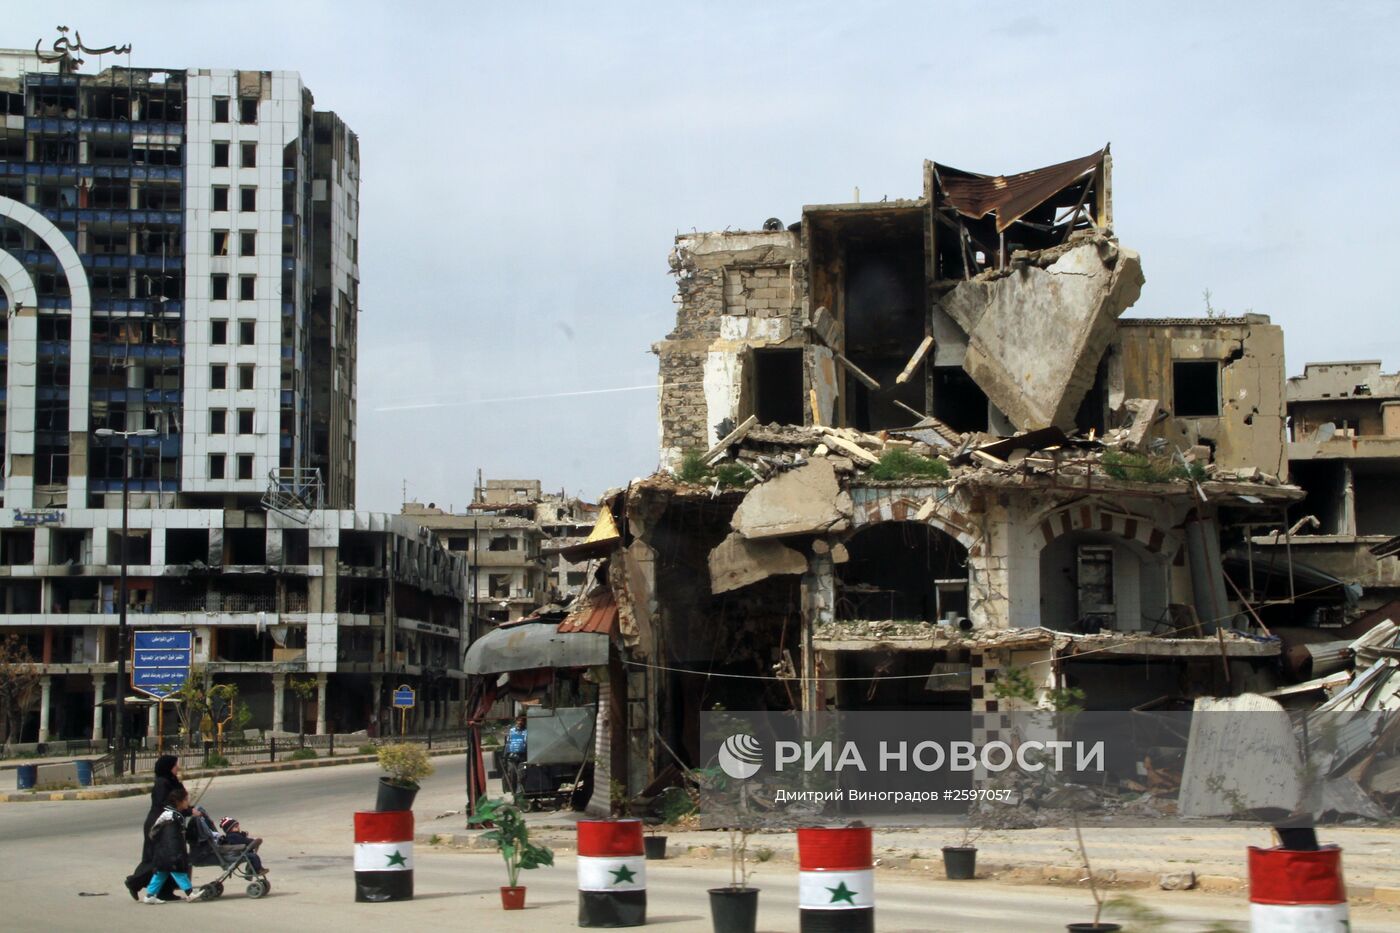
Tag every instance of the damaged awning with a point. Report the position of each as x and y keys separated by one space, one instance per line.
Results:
x=532 y=645
x=1011 y=197
x=597 y=616
x=600 y=541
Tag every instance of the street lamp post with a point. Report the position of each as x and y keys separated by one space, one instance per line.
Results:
x=119 y=731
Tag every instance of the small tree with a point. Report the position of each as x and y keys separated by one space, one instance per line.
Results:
x=511 y=835
x=19 y=683
x=304 y=688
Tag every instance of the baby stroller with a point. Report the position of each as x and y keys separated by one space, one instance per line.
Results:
x=207 y=852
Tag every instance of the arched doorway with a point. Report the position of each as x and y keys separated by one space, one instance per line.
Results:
x=905 y=571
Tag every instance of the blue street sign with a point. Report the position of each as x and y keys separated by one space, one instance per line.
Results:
x=403 y=697
x=160 y=662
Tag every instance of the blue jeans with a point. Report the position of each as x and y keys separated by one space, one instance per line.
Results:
x=181 y=878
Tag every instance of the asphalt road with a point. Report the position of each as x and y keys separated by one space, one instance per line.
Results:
x=65 y=862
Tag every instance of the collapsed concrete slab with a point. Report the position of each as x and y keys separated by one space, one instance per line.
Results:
x=1037 y=333
x=738 y=562
x=807 y=500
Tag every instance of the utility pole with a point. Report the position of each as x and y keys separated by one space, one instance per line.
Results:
x=119 y=730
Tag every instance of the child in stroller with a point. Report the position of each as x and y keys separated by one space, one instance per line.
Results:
x=239 y=857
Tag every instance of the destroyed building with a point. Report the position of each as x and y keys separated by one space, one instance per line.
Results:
x=511 y=536
x=908 y=445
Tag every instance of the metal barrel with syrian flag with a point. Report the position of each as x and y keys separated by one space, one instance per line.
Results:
x=1297 y=891
x=612 y=874
x=835 y=880
x=384 y=855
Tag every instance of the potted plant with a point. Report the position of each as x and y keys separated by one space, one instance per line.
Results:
x=734 y=907
x=1095 y=926
x=406 y=765
x=674 y=805
x=512 y=838
x=960 y=861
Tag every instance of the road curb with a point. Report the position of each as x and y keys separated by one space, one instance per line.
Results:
x=1052 y=875
x=138 y=790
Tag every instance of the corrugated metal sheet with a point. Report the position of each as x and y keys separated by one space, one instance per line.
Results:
x=1011 y=196
x=600 y=617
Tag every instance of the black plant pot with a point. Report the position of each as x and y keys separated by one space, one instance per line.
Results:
x=394 y=796
x=734 y=910
x=655 y=847
x=1093 y=927
x=960 y=862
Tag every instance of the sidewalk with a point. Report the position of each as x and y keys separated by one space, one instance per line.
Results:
x=1122 y=858
x=140 y=786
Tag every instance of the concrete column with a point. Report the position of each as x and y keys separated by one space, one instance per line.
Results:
x=99 y=690
x=1348 y=501
x=279 y=693
x=321 y=704
x=818 y=606
x=153 y=721
x=45 y=694
x=376 y=689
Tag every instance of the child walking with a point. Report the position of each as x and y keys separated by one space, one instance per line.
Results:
x=170 y=854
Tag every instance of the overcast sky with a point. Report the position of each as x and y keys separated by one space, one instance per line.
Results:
x=526 y=167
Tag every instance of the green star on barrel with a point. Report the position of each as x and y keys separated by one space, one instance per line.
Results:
x=397 y=859
x=842 y=893
x=623 y=874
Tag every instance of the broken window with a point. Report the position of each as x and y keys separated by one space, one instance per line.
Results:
x=245 y=423
x=245 y=466
x=245 y=375
x=216 y=466
x=218 y=375
x=296 y=546
x=220 y=246
x=247 y=287
x=247 y=332
x=221 y=155
x=777 y=386
x=247 y=243
x=1196 y=389
x=245 y=546
x=218 y=420
x=503 y=543
x=187 y=545
x=221 y=110
x=903 y=571
x=218 y=332
x=220 y=198
x=247 y=199
x=248 y=155
x=247 y=110
x=499 y=584
x=218 y=285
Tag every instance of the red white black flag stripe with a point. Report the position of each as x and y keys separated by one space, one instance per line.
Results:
x=384 y=856
x=836 y=880
x=612 y=877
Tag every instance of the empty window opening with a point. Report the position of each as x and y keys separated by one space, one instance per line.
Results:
x=1196 y=389
x=247 y=199
x=904 y=571
x=138 y=548
x=247 y=287
x=220 y=198
x=221 y=155
x=245 y=426
x=218 y=376
x=221 y=110
x=186 y=545
x=218 y=286
x=958 y=401
x=216 y=466
x=247 y=110
x=218 y=421
x=296 y=546
x=777 y=386
x=248 y=155
x=17 y=547
x=218 y=332
x=247 y=332
x=504 y=543
x=220 y=245
x=71 y=547
x=245 y=546
x=245 y=375
x=1091 y=582
x=245 y=466
x=247 y=243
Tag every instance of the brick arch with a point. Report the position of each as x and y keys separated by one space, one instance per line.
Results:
x=944 y=516
x=1134 y=528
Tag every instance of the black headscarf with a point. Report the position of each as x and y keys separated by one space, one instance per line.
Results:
x=165 y=764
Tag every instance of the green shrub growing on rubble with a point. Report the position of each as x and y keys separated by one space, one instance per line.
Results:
x=1140 y=468
x=693 y=470
x=901 y=464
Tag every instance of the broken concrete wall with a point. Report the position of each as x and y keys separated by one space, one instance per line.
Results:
x=1248 y=430
x=804 y=501
x=734 y=290
x=1035 y=334
x=738 y=562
